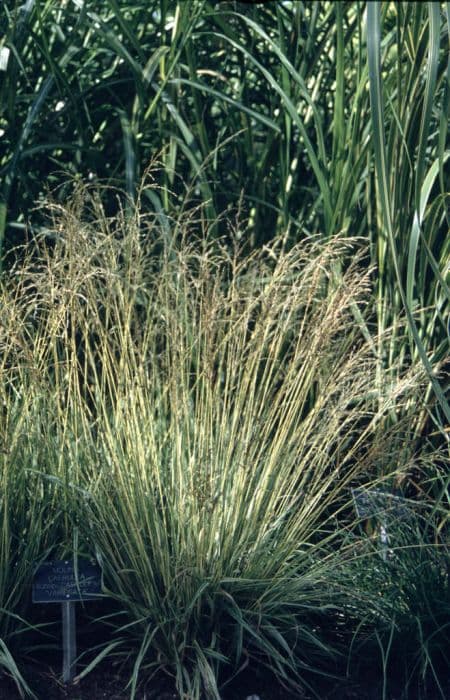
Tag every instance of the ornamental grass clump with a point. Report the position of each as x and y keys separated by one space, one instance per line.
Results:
x=205 y=413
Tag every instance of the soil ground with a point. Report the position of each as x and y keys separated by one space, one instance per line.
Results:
x=108 y=681
x=104 y=683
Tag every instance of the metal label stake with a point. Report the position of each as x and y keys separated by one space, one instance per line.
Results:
x=60 y=582
x=69 y=634
x=375 y=503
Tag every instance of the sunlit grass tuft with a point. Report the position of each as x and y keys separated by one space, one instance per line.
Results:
x=197 y=418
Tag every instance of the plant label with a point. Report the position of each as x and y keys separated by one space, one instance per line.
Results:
x=375 y=502
x=60 y=582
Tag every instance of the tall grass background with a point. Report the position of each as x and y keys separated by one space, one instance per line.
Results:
x=323 y=118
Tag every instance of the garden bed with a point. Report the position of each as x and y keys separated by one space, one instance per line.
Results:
x=106 y=682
